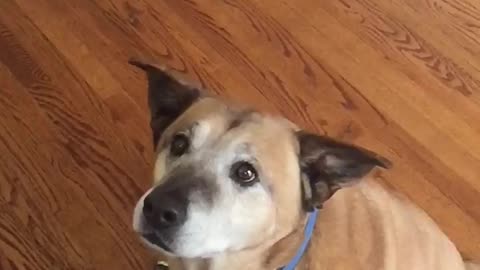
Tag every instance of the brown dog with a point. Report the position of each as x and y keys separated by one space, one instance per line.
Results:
x=233 y=187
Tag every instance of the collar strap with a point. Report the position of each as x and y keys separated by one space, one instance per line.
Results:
x=308 y=232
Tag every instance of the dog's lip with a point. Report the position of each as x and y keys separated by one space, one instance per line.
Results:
x=148 y=234
x=154 y=239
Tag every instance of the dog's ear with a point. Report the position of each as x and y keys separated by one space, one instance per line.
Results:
x=328 y=165
x=168 y=97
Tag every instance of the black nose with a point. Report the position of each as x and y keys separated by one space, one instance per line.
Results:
x=164 y=210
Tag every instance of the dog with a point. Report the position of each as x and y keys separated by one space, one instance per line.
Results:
x=235 y=188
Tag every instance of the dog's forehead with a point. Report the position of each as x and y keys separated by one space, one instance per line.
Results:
x=210 y=111
x=222 y=117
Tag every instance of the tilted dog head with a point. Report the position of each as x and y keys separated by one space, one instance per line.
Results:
x=227 y=178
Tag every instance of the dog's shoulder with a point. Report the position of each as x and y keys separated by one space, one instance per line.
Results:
x=371 y=227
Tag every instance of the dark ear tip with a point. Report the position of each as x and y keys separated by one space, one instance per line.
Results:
x=145 y=65
x=383 y=162
x=138 y=63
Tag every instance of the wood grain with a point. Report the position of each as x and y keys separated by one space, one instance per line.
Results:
x=401 y=77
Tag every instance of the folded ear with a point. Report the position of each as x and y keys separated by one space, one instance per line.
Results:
x=328 y=165
x=168 y=97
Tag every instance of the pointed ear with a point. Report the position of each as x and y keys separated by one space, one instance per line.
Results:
x=328 y=165
x=168 y=97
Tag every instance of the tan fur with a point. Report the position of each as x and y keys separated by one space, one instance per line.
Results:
x=472 y=266
x=363 y=227
x=366 y=227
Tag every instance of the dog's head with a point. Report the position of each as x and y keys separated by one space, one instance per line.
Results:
x=227 y=178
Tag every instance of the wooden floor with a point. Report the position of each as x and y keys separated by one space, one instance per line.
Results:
x=401 y=77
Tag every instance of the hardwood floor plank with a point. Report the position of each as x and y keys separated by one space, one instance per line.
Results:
x=459 y=20
x=30 y=198
x=90 y=57
x=444 y=80
x=401 y=77
x=440 y=31
x=93 y=186
x=67 y=107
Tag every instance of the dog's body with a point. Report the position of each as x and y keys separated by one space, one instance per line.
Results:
x=369 y=228
x=233 y=188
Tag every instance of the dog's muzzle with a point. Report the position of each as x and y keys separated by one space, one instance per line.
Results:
x=163 y=213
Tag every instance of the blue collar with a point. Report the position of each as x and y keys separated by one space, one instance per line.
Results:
x=309 y=227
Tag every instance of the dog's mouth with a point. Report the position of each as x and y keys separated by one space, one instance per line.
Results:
x=154 y=239
x=147 y=233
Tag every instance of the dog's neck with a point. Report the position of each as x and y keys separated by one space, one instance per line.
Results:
x=270 y=256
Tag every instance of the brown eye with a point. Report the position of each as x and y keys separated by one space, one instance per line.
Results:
x=244 y=173
x=179 y=146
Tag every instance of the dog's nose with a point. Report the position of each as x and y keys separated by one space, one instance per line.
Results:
x=163 y=210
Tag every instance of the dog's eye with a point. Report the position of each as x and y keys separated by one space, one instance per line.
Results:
x=179 y=146
x=244 y=173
